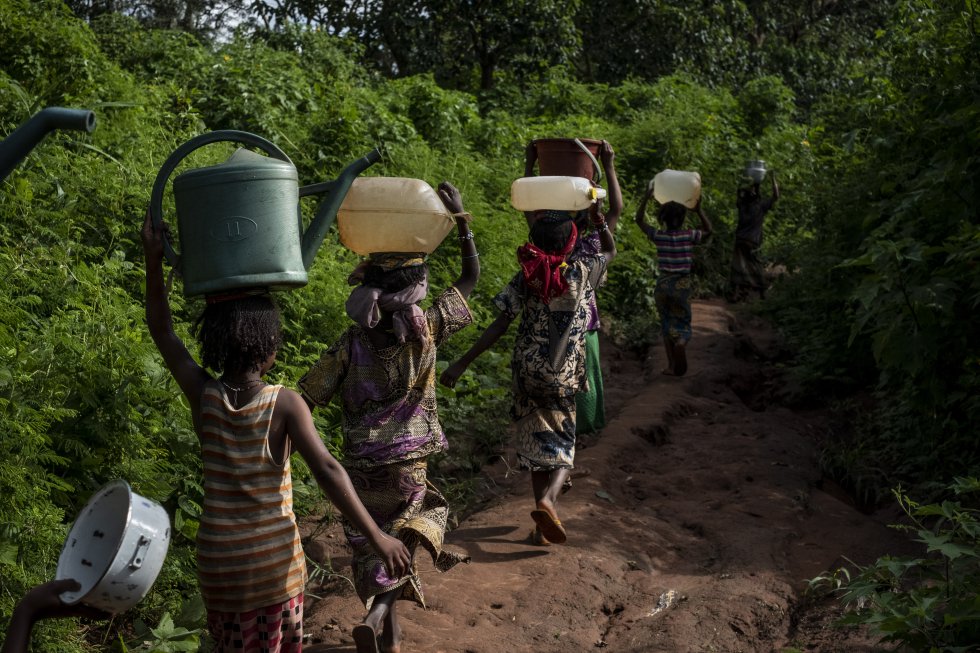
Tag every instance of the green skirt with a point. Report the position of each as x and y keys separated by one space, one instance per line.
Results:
x=590 y=407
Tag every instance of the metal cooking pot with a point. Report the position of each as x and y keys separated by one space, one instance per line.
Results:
x=115 y=549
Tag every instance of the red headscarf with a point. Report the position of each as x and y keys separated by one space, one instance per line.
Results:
x=543 y=271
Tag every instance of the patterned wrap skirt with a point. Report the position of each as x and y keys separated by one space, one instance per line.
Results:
x=747 y=269
x=406 y=506
x=590 y=407
x=673 y=298
x=272 y=629
x=545 y=431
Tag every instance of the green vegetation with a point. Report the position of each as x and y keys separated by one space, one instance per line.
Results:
x=893 y=270
x=927 y=603
x=874 y=137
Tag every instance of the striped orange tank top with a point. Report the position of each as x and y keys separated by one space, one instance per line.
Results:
x=249 y=553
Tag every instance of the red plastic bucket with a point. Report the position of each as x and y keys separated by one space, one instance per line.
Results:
x=563 y=157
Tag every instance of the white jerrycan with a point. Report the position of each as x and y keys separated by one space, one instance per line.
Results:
x=677 y=186
x=554 y=192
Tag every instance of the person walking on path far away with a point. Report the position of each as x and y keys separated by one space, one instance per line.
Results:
x=383 y=371
x=675 y=254
x=746 y=271
x=251 y=564
x=552 y=296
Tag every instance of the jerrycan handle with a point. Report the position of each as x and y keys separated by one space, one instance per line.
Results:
x=160 y=185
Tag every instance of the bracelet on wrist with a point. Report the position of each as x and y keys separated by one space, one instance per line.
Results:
x=476 y=255
x=467 y=236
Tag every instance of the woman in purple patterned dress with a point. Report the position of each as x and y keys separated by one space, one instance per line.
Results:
x=382 y=371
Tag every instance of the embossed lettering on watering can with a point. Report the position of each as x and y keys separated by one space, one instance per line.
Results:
x=234 y=229
x=239 y=222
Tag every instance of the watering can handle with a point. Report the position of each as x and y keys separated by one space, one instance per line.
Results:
x=160 y=184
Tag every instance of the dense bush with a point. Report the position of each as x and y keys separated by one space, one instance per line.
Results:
x=927 y=602
x=893 y=262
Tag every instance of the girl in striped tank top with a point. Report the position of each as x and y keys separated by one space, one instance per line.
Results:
x=675 y=254
x=251 y=565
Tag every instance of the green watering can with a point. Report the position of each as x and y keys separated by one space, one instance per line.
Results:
x=239 y=221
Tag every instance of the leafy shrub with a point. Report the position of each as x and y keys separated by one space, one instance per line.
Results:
x=893 y=255
x=928 y=603
x=58 y=62
x=440 y=117
x=765 y=102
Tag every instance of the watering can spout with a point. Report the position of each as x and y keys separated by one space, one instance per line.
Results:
x=327 y=211
x=25 y=138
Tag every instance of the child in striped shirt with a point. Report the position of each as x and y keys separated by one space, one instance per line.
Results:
x=251 y=565
x=675 y=254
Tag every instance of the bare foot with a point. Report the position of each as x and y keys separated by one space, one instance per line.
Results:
x=667 y=372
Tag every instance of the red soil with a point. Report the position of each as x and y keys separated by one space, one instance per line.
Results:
x=693 y=521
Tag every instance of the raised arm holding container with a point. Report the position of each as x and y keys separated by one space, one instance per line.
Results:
x=675 y=255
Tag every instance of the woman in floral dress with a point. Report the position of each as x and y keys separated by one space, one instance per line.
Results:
x=552 y=296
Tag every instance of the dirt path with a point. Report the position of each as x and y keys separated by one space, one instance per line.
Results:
x=693 y=520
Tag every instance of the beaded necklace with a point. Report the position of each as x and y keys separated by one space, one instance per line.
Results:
x=241 y=388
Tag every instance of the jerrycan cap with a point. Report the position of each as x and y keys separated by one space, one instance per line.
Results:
x=242 y=165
